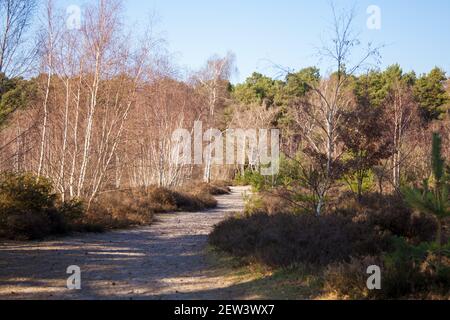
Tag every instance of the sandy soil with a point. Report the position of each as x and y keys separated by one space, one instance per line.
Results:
x=167 y=260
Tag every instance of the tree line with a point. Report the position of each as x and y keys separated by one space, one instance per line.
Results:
x=99 y=108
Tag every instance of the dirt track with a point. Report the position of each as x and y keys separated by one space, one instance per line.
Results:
x=167 y=260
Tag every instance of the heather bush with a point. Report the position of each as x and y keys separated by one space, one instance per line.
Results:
x=120 y=209
x=28 y=208
x=160 y=199
x=193 y=198
x=389 y=214
x=137 y=207
x=283 y=239
x=72 y=211
x=348 y=280
x=215 y=189
x=185 y=201
x=408 y=271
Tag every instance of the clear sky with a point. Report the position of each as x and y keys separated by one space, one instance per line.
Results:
x=416 y=32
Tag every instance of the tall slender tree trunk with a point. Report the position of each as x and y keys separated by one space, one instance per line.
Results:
x=44 y=124
x=62 y=180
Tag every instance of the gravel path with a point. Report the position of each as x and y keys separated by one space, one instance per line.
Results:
x=167 y=260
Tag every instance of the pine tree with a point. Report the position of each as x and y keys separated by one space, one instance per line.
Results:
x=433 y=197
x=430 y=93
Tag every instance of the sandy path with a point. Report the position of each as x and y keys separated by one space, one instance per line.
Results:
x=167 y=260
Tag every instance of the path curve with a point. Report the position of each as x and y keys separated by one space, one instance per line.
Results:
x=167 y=260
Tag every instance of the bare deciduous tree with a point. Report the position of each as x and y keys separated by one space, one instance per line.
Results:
x=213 y=81
x=16 y=18
x=403 y=111
x=320 y=113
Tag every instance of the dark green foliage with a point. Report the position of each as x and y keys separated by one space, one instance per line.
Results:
x=257 y=89
x=25 y=192
x=14 y=94
x=72 y=211
x=431 y=95
x=28 y=208
x=433 y=197
x=373 y=88
x=289 y=173
x=262 y=90
x=252 y=178
x=298 y=84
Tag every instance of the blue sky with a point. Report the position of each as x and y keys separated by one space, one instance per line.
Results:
x=416 y=32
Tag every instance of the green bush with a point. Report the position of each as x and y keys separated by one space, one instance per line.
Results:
x=28 y=208
x=22 y=192
x=254 y=179
x=73 y=211
x=412 y=270
x=433 y=198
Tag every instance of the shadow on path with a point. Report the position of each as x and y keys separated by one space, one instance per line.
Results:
x=164 y=261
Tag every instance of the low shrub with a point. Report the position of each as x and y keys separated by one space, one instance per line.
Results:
x=407 y=272
x=160 y=200
x=28 y=208
x=271 y=202
x=389 y=214
x=282 y=240
x=137 y=207
x=120 y=209
x=348 y=280
x=192 y=198
x=72 y=211
x=215 y=188
x=194 y=202
x=254 y=179
x=224 y=184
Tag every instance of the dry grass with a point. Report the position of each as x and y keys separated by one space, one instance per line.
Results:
x=137 y=207
x=215 y=188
